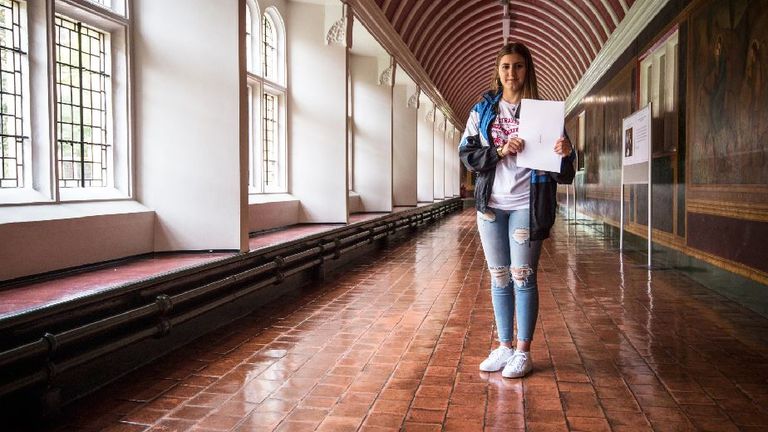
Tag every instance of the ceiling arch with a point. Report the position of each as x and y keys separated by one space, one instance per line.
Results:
x=455 y=41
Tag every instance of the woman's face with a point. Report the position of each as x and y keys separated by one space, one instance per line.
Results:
x=512 y=72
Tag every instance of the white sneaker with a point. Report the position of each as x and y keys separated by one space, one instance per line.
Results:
x=518 y=366
x=496 y=360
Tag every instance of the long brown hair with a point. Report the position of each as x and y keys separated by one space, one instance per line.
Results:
x=530 y=88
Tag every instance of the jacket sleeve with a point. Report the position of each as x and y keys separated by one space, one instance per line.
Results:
x=477 y=157
x=567 y=169
x=473 y=154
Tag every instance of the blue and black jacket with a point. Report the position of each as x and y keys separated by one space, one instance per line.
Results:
x=480 y=157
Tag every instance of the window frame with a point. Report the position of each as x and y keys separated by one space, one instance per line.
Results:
x=279 y=93
x=266 y=72
x=350 y=133
x=279 y=28
x=256 y=86
x=582 y=138
x=662 y=55
x=252 y=11
x=41 y=115
x=24 y=94
x=120 y=179
x=38 y=184
x=105 y=141
x=117 y=7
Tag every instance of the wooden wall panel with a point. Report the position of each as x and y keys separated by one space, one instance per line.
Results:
x=710 y=173
x=735 y=240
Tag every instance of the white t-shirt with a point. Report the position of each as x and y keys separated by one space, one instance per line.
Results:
x=512 y=185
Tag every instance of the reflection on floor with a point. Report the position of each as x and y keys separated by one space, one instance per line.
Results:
x=395 y=343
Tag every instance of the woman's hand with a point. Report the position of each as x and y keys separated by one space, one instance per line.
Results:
x=563 y=147
x=514 y=146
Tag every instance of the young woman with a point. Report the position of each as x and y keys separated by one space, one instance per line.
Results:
x=515 y=206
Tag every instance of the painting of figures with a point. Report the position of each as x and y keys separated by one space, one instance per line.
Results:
x=728 y=93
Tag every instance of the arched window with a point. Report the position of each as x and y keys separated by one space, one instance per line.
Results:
x=273 y=150
x=269 y=39
x=266 y=99
x=350 y=134
x=252 y=37
x=248 y=38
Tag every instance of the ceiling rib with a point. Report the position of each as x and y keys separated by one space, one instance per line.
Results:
x=368 y=12
x=454 y=42
x=614 y=18
x=595 y=14
x=591 y=37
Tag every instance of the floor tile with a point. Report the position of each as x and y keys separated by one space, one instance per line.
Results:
x=394 y=343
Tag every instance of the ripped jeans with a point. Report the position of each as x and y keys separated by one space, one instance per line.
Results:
x=512 y=260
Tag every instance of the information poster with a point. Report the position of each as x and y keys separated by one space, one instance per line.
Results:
x=636 y=140
x=636 y=146
x=636 y=165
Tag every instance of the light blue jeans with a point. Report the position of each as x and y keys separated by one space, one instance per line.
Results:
x=512 y=260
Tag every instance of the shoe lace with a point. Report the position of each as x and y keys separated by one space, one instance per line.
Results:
x=518 y=360
x=497 y=353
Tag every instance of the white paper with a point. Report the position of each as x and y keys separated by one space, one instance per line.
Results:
x=541 y=125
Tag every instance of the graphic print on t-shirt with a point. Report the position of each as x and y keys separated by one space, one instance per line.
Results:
x=502 y=129
x=511 y=184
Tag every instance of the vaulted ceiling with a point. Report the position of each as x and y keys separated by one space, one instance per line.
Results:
x=456 y=41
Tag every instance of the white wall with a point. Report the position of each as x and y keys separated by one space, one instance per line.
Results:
x=456 y=164
x=279 y=4
x=447 y=162
x=373 y=135
x=39 y=239
x=404 y=133
x=439 y=157
x=49 y=236
x=451 y=156
x=271 y=211
x=316 y=116
x=426 y=151
x=187 y=113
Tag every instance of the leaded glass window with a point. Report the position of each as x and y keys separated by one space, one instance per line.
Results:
x=12 y=134
x=264 y=36
x=269 y=37
x=82 y=83
x=248 y=38
x=270 y=141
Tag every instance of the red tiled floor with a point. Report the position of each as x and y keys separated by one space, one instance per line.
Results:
x=395 y=343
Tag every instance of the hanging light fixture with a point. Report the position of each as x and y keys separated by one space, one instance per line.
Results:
x=506 y=20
